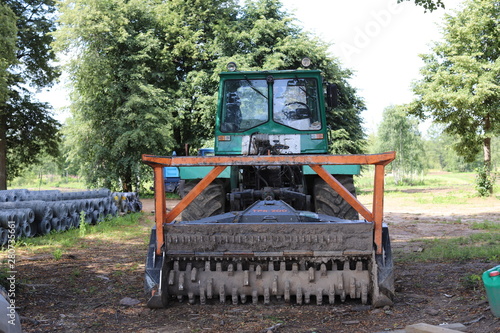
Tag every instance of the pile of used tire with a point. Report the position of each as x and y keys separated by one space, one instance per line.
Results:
x=33 y=213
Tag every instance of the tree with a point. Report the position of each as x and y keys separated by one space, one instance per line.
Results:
x=461 y=79
x=27 y=129
x=120 y=87
x=145 y=75
x=399 y=132
x=257 y=36
x=428 y=5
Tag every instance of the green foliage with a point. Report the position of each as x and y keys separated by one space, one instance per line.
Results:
x=428 y=5
x=399 y=132
x=27 y=129
x=119 y=96
x=8 y=31
x=472 y=281
x=145 y=76
x=460 y=80
x=485 y=180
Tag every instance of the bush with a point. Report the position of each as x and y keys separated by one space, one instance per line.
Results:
x=485 y=179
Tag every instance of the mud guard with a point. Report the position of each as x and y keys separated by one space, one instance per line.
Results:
x=384 y=283
x=153 y=274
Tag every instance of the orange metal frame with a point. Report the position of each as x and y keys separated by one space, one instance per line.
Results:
x=314 y=161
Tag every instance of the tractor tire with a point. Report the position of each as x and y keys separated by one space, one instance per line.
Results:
x=329 y=202
x=208 y=203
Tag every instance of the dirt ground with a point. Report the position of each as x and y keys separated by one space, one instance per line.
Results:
x=82 y=291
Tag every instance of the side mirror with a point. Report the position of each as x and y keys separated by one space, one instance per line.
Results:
x=332 y=95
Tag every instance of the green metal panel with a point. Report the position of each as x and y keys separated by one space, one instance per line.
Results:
x=335 y=169
x=200 y=172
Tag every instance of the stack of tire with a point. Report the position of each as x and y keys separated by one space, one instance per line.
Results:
x=33 y=213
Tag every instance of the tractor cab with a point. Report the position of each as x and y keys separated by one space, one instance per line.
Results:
x=271 y=112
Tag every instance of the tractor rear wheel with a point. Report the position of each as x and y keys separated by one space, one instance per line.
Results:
x=208 y=203
x=329 y=202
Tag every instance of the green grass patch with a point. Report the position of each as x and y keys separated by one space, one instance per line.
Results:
x=481 y=246
x=445 y=199
x=115 y=229
x=486 y=225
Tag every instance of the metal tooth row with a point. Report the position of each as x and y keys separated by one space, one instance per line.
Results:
x=302 y=297
x=357 y=288
x=253 y=239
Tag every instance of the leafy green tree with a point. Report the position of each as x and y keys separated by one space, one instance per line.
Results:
x=259 y=35
x=120 y=92
x=8 y=31
x=145 y=75
x=27 y=129
x=440 y=152
x=428 y=5
x=461 y=79
x=399 y=132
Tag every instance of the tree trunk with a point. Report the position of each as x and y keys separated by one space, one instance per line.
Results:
x=3 y=152
x=487 y=149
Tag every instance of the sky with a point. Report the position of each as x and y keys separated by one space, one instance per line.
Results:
x=379 y=40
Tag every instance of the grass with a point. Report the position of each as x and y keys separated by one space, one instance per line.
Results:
x=481 y=246
x=117 y=229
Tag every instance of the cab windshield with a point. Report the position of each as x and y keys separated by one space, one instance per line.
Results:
x=294 y=104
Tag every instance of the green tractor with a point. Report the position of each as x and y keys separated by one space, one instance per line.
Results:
x=272 y=215
x=271 y=113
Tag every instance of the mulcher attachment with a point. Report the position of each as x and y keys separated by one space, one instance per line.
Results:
x=267 y=252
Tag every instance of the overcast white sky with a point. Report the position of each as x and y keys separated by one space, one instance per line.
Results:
x=379 y=40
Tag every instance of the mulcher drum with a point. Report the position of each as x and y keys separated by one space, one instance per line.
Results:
x=269 y=251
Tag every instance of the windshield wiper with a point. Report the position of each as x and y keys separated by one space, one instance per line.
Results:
x=257 y=90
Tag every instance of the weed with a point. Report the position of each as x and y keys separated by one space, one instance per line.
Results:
x=57 y=254
x=472 y=282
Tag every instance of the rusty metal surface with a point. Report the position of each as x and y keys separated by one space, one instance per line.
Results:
x=257 y=160
x=283 y=239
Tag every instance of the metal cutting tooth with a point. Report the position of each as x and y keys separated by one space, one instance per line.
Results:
x=307 y=297
x=255 y=297
x=352 y=287
x=171 y=278
x=275 y=285
x=193 y=274
x=319 y=296
x=202 y=296
x=323 y=270
x=311 y=274
x=299 y=295
x=331 y=294
x=234 y=296
x=181 y=281
x=191 y=298
x=246 y=278
x=222 y=294
x=210 y=288
x=266 y=296
x=258 y=272
x=287 y=291
x=364 y=293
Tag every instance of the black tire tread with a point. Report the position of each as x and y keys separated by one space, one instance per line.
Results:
x=329 y=202
x=210 y=202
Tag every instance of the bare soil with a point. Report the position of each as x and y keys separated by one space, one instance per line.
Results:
x=81 y=292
